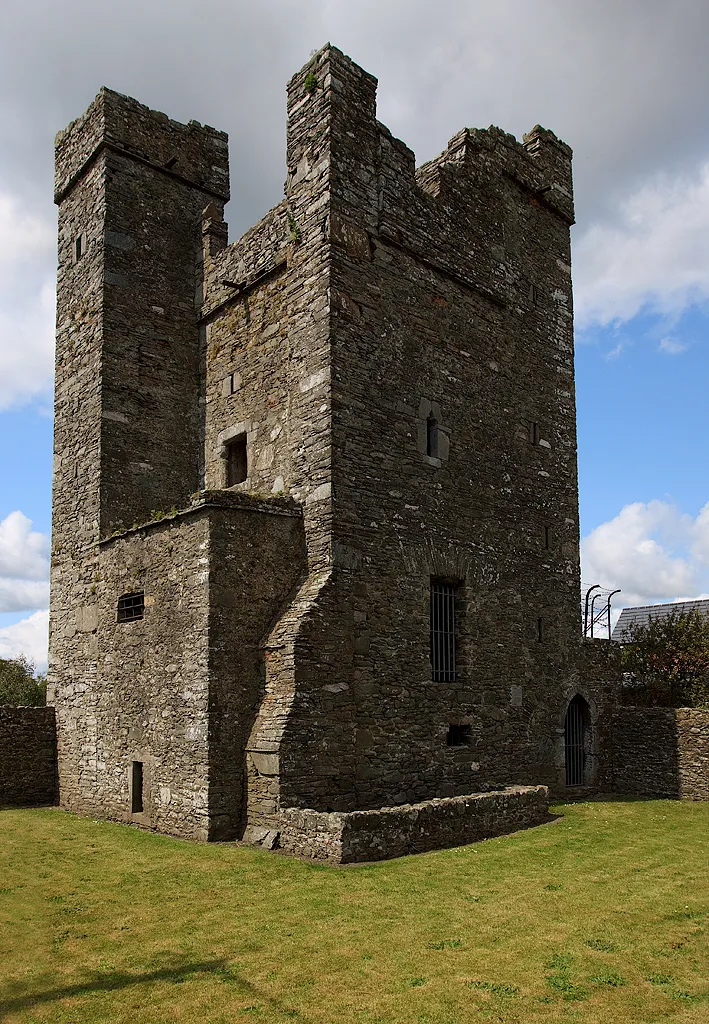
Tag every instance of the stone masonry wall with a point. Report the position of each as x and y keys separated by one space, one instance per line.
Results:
x=662 y=752
x=451 y=290
x=258 y=559
x=397 y=831
x=28 y=756
x=140 y=691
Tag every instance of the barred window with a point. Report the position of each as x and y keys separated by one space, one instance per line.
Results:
x=131 y=607
x=443 y=630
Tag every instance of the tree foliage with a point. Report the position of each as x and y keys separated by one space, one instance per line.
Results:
x=666 y=661
x=20 y=684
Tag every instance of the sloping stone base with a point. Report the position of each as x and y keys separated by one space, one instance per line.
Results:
x=349 y=837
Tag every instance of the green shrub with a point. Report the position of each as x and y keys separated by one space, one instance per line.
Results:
x=20 y=684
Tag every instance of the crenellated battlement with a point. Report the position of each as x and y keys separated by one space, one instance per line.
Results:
x=195 y=153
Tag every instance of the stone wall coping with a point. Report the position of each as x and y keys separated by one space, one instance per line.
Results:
x=235 y=501
x=442 y=802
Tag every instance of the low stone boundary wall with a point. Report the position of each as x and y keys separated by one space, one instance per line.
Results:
x=661 y=752
x=28 y=756
x=348 y=837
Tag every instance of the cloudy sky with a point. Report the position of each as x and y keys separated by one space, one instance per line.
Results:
x=622 y=81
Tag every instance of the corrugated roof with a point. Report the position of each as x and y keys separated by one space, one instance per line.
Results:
x=643 y=613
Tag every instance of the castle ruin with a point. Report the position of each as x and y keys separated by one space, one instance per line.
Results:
x=315 y=567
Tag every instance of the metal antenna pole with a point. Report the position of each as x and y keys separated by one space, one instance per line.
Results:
x=609 y=609
x=593 y=613
x=596 y=586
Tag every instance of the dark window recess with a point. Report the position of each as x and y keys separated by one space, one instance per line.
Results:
x=131 y=607
x=432 y=437
x=547 y=537
x=458 y=735
x=533 y=294
x=136 y=793
x=534 y=433
x=540 y=630
x=442 y=631
x=79 y=247
x=236 y=462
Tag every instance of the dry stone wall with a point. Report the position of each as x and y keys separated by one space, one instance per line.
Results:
x=662 y=752
x=396 y=831
x=28 y=756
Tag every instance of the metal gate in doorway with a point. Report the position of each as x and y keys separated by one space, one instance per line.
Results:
x=575 y=742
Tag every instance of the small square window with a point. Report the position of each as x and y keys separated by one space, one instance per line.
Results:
x=237 y=468
x=458 y=735
x=131 y=607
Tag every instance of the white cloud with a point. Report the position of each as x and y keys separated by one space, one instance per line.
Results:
x=672 y=346
x=652 y=551
x=653 y=257
x=28 y=637
x=24 y=553
x=27 y=303
x=24 y=565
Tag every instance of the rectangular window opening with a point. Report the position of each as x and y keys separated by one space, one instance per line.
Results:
x=131 y=607
x=547 y=538
x=432 y=437
x=540 y=630
x=534 y=434
x=79 y=247
x=136 y=799
x=533 y=294
x=236 y=461
x=442 y=630
x=458 y=735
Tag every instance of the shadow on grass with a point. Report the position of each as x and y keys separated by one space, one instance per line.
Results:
x=104 y=982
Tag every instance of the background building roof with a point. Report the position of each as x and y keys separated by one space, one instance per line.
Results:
x=643 y=613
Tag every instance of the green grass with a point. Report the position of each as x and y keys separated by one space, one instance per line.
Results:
x=598 y=917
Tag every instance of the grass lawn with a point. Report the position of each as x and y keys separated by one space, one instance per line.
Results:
x=601 y=916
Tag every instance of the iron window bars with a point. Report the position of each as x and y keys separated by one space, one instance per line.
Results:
x=131 y=607
x=443 y=631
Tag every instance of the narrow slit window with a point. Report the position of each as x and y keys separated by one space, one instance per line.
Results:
x=547 y=538
x=432 y=437
x=79 y=247
x=442 y=631
x=533 y=294
x=458 y=735
x=540 y=630
x=237 y=469
x=131 y=607
x=534 y=434
x=136 y=793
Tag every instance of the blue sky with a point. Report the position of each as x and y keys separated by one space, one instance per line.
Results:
x=624 y=82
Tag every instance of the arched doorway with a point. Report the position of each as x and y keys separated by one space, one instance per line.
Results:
x=576 y=741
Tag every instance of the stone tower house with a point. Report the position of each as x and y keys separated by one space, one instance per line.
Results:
x=315 y=540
